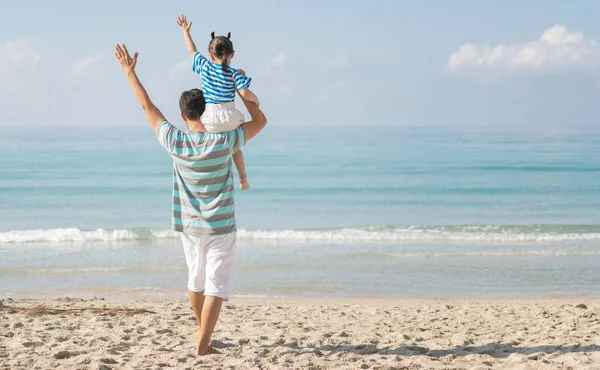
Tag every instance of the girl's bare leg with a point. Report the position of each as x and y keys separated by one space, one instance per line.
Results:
x=240 y=165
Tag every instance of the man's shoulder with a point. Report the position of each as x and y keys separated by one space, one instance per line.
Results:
x=166 y=130
x=233 y=140
x=163 y=127
x=238 y=133
x=222 y=137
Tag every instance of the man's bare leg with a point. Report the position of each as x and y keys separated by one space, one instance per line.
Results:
x=197 y=301
x=240 y=165
x=210 y=314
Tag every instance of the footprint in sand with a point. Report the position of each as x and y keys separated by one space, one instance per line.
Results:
x=62 y=355
x=108 y=360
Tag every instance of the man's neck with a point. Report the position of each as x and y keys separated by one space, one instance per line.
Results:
x=196 y=126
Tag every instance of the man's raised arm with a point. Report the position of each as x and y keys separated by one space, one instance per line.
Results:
x=154 y=116
x=257 y=122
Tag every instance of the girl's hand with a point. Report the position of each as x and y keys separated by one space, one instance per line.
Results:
x=183 y=23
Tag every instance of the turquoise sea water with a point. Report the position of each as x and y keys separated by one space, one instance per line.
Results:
x=334 y=211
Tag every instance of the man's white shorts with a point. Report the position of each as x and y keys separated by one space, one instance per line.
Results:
x=210 y=260
x=221 y=117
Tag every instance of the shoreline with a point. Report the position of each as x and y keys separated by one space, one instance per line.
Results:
x=297 y=300
x=161 y=295
x=430 y=333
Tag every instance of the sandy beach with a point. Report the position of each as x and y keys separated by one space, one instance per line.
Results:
x=73 y=333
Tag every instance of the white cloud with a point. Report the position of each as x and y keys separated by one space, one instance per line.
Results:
x=19 y=52
x=557 y=49
x=339 y=86
x=181 y=67
x=323 y=96
x=284 y=89
x=18 y=60
x=278 y=61
x=328 y=92
x=87 y=65
x=339 y=62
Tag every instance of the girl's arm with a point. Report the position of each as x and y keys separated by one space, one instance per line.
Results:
x=185 y=26
x=242 y=84
x=249 y=95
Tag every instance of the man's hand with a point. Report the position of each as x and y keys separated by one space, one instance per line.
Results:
x=243 y=73
x=125 y=60
x=155 y=117
x=183 y=23
x=257 y=118
x=246 y=93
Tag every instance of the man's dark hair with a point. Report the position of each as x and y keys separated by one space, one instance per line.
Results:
x=191 y=103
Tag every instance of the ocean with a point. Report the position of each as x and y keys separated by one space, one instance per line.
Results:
x=342 y=212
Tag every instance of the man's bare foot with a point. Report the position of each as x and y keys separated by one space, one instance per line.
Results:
x=208 y=351
x=244 y=185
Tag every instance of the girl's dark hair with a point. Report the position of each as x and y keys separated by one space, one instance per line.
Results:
x=221 y=47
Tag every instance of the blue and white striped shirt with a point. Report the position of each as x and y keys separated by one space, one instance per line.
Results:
x=217 y=85
x=202 y=178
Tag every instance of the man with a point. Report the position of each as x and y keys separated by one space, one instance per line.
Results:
x=203 y=209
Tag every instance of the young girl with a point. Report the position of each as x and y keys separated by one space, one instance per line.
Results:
x=219 y=82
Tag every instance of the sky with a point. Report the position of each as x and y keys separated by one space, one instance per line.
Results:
x=313 y=63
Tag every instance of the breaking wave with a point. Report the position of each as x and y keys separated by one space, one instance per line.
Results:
x=465 y=233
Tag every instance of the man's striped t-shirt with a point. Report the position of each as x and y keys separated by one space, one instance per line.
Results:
x=202 y=178
x=217 y=85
